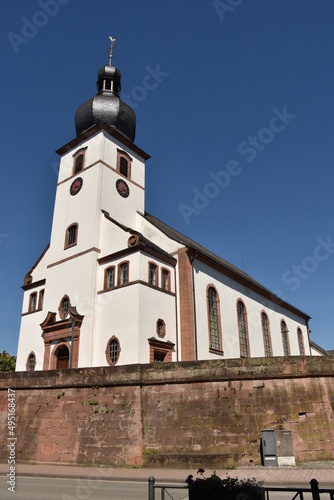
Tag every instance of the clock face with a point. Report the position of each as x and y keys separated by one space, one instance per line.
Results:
x=122 y=188
x=76 y=186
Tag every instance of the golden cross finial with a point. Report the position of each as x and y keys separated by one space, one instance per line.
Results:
x=112 y=47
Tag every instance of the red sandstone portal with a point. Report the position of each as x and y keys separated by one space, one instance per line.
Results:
x=60 y=333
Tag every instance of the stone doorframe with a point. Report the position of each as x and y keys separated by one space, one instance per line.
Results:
x=61 y=333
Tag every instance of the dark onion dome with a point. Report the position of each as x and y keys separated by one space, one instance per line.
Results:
x=106 y=106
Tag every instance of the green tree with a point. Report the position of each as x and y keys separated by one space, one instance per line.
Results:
x=7 y=362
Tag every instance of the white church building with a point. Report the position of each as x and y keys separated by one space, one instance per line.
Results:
x=117 y=286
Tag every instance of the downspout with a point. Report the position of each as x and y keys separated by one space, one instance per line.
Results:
x=73 y=325
x=176 y=318
x=194 y=302
x=309 y=337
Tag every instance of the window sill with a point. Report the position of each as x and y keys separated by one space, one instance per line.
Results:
x=70 y=246
x=32 y=312
x=216 y=351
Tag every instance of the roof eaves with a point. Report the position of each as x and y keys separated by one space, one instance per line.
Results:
x=111 y=131
x=229 y=269
x=320 y=349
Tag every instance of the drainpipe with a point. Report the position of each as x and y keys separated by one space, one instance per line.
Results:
x=73 y=323
x=309 y=337
x=194 y=302
x=176 y=318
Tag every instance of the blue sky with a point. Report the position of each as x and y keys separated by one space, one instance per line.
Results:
x=239 y=127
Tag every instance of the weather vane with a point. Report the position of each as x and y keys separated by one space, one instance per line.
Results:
x=112 y=47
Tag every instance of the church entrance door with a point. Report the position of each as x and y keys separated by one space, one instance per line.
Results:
x=62 y=354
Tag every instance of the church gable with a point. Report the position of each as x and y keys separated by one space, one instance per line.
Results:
x=37 y=271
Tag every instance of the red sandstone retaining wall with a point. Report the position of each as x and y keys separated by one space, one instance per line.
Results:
x=207 y=413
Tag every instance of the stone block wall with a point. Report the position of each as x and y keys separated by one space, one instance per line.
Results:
x=207 y=413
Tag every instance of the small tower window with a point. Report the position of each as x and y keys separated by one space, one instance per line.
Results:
x=123 y=273
x=78 y=164
x=71 y=235
x=33 y=302
x=153 y=274
x=79 y=160
x=124 y=166
x=41 y=299
x=109 y=278
x=165 y=279
x=124 y=163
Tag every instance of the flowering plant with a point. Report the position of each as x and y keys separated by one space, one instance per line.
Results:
x=229 y=488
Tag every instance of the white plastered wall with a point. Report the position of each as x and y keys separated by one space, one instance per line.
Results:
x=76 y=278
x=229 y=292
x=30 y=339
x=130 y=312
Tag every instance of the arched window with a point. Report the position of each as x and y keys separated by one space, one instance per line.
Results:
x=243 y=329
x=300 y=342
x=152 y=274
x=285 y=339
x=64 y=307
x=78 y=163
x=71 y=236
x=214 y=320
x=31 y=362
x=113 y=351
x=123 y=273
x=123 y=166
x=33 y=302
x=109 y=278
x=124 y=163
x=266 y=335
x=79 y=160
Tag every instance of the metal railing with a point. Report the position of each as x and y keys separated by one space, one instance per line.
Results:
x=299 y=492
x=164 y=489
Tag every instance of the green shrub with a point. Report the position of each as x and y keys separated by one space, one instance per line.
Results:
x=230 y=488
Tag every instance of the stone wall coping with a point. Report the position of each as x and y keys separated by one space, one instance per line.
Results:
x=174 y=373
